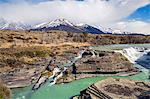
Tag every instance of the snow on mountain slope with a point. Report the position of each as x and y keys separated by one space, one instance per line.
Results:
x=5 y=25
x=89 y=29
x=82 y=25
x=54 y=23
x=65 y=25
x=120 y=32
x=110 y=30
x=58 y=24
x=13 y=26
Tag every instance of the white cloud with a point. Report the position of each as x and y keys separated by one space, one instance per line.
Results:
x=96 y=12
x=134 y=26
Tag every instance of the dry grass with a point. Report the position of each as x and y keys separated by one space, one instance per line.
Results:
x=18 y=57
x=54 y=38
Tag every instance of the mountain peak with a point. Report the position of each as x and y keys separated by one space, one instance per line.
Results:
x=65 y=25
x=63 y=22
x=55 y=23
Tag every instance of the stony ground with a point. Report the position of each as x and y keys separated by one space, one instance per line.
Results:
x=21 y=66
x=102 y=64
x=116 y=89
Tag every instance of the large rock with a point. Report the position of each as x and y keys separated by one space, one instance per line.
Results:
x=116 y=89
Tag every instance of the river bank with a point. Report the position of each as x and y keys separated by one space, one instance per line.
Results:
x=71 y=89
x=116 y=88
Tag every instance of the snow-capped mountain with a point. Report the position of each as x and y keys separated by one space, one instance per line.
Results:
x=13 y=26
x=119 y=32
x=90 y=29
x=58 y=24
x=54 y=23
x=5 y=25
x=112 y=31
x=65 y=25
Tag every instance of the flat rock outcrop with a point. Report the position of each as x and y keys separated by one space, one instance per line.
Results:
x=116 y=89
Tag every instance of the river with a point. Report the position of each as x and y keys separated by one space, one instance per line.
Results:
x=65 y=91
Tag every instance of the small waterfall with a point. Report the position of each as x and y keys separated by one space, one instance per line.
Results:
x=57 y=71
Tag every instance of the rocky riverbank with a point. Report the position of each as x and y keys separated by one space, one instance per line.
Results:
x=22 y=66
x=116 y=89
x=89 y=63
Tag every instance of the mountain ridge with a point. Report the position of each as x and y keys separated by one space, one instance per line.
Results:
x=63 y=25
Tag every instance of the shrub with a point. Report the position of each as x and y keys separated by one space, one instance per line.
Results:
x=4 y=92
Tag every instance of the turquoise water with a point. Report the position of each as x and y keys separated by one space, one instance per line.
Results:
x=65 y=91
x=119 y=46
x=60 y=91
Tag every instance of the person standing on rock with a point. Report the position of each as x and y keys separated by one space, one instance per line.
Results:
x=74 y=70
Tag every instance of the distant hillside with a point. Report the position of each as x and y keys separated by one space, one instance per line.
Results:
x=55 y=37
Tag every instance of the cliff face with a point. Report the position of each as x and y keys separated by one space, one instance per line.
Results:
x=116 y=89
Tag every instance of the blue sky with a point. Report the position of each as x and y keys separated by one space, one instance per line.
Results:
x=130 y=15
x=142 y=13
